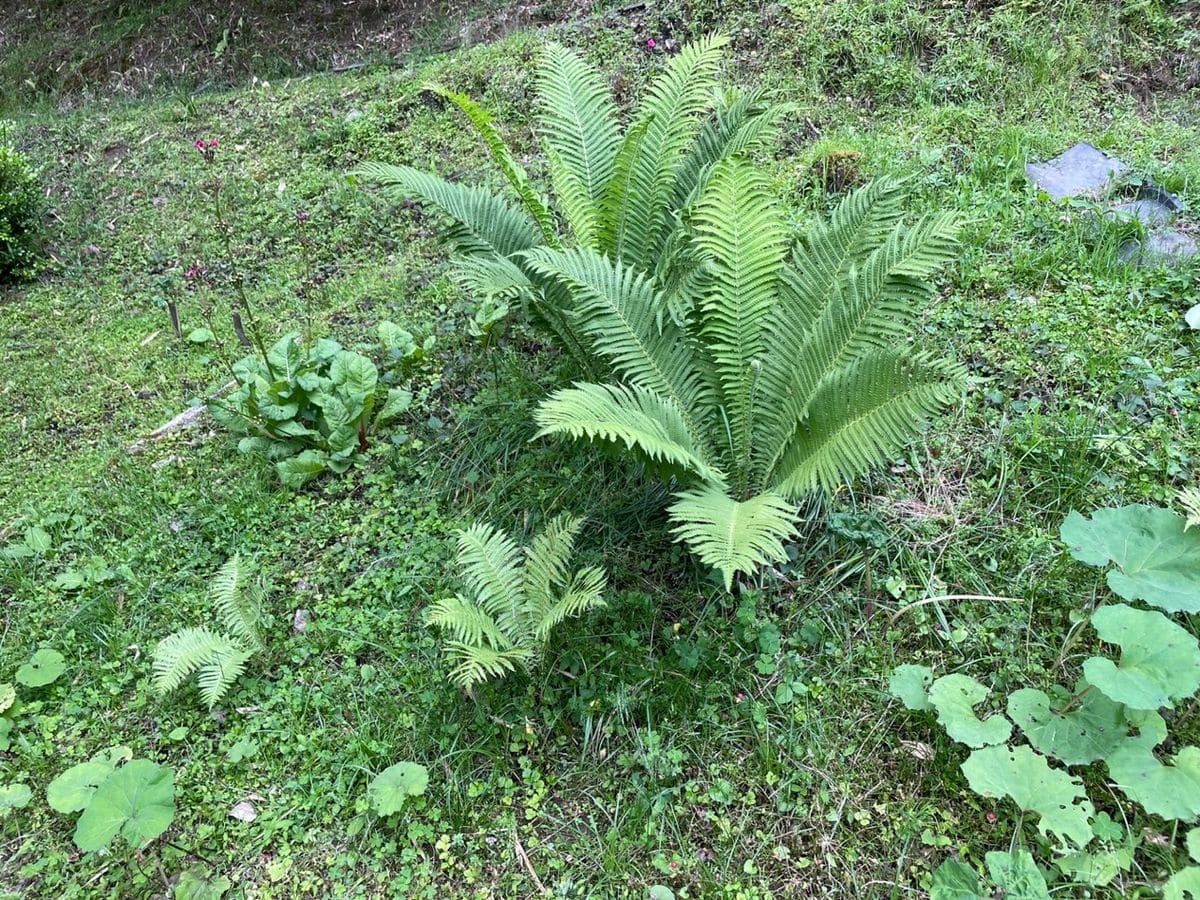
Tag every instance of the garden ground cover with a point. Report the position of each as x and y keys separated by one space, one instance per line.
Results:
x=724 y=747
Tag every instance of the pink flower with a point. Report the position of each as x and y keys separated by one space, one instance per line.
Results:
x=651 y=43
x=198 y=143
x=207 y=148
x=739 y=697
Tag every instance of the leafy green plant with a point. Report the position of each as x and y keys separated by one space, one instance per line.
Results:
x=311 y=408
x=1113 y=715
x=514 y=599
x=390 y=789
x=20 y=211
x=217 y=658
x=617 y=194
x=776 y=369
x=43 y=668
x=135 y=800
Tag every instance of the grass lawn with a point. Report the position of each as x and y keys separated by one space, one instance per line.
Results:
x=736 y=747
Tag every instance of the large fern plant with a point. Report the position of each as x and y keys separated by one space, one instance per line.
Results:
x=777 y=368
x=618 y=194
x=217 y=657
x=514 y=598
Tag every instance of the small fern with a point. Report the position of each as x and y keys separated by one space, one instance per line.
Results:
x=217 y=658
x=515 y=599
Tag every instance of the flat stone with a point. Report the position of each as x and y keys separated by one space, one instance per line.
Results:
x=1159 y=246
x=1080 y=170
x=1148 y=212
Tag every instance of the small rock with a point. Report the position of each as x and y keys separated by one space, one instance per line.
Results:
x=1192 y=317
x=1148 y=212
x=1082 y=169
x=243 y=811
x=1158 y=246
x=300 y=620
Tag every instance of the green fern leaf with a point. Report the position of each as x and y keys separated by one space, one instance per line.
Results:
x=486 y=223
x=546 y=559
x=239 y=605
x=180 y=654
x=217 y=675
x=492 y=277
x=1189 y=499
x=533 y=202
x=862 y=415
x=584 y=592
x=578 y=126
x=491 y=570
x=467 y=622
x=477 y=663
x=634 y=416
x=733 y=536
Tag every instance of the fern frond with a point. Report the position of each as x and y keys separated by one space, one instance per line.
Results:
x=467 y=622
x=861 y=416
x=491 y=277
x=486 y=223
x=514 y=173
x=742 y=234
x=491 y=569
x=238 y=603
x=636 y=201
x=217 y=675
x=478 y=663
x=180 y=654
x=616 y=307
x=1189 y=499
x=577 y=122
x=732 y=536
x=546 y=559
x=584 y=592
x=634 y=416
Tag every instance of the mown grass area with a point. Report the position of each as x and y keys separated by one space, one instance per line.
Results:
x=724 y=747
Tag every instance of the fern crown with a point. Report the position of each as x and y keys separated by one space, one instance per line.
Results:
x=513 y=599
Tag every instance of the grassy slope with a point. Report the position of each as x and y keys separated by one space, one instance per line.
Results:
x=670 y=754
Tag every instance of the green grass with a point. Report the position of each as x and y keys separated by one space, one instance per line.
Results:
x=727 y=748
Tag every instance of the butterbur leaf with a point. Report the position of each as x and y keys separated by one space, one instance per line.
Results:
x=8 y=696
x=6 y=726
x=137 y=801
x=1170 y=791
x=660 y=892
x=199 y=883
x=1084 y=734
x=14 y=796
x=1160 y=661
x=910 y=685
x=398 y=401
x=43 y=668
x=390 y=789
x=955 y=880
x=1183 y=884
x=298 y=470
x=73 y=789
x=1027 y=779
x=1157 y=559
x=953 y=696
x=1017 y=875
x=1095 y=869
x=1193 y=844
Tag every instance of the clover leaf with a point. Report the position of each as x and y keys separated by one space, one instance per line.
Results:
x=1157 y=558
x=136 y=801
x=43 y=668
x=1084 y=734
x=389 y=790
x=1160 y=661
x=910 y=685
x=1027 y=779
x=953 y=696
x=1170 y=791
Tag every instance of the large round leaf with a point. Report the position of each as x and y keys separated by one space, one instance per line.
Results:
x=136 y=801
x=1017 y=875
x=13 y=796
x=910 y=685
x=394 y=785
x=73 y=789
x=1087 y=732
x=953 y=696
x=1027 y=779
x=1160 y=661
x=1170 y=791
x=1157 y=557
x=43 y=668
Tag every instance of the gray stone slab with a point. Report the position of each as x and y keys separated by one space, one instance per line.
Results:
x=1080 y=170
x=1159 y=246
x=1148 y=212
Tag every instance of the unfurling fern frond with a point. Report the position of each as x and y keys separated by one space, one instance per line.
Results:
x=1189 y=499
x=217 y=658
x=733 y=536
x=531 y=590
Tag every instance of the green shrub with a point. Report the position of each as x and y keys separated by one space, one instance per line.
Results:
x=20 y=213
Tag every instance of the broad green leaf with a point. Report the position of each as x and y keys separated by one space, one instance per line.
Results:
x=660 y=892
x=1160 y=661
x=43 y=668
x=389 y=790
x=1017 y=875
x=6 y=727
x=73 y=789
x=14 y=796
x=8 y=696
x=353 y=373
x=199 y=336
x=910 y=685
x=1157 y=558
x=38 y=539
x=1027 y=779
x=296 y=471
x=953 y=696
x=398 y=401
x=1193 y=844
x=1170 y=791
x=1087 y=732
x=197 y=882
x=113 y=756
x=955 y=880
x=393 y=337
x=136 y=801
x=1184 y=883
x=1095 y=869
